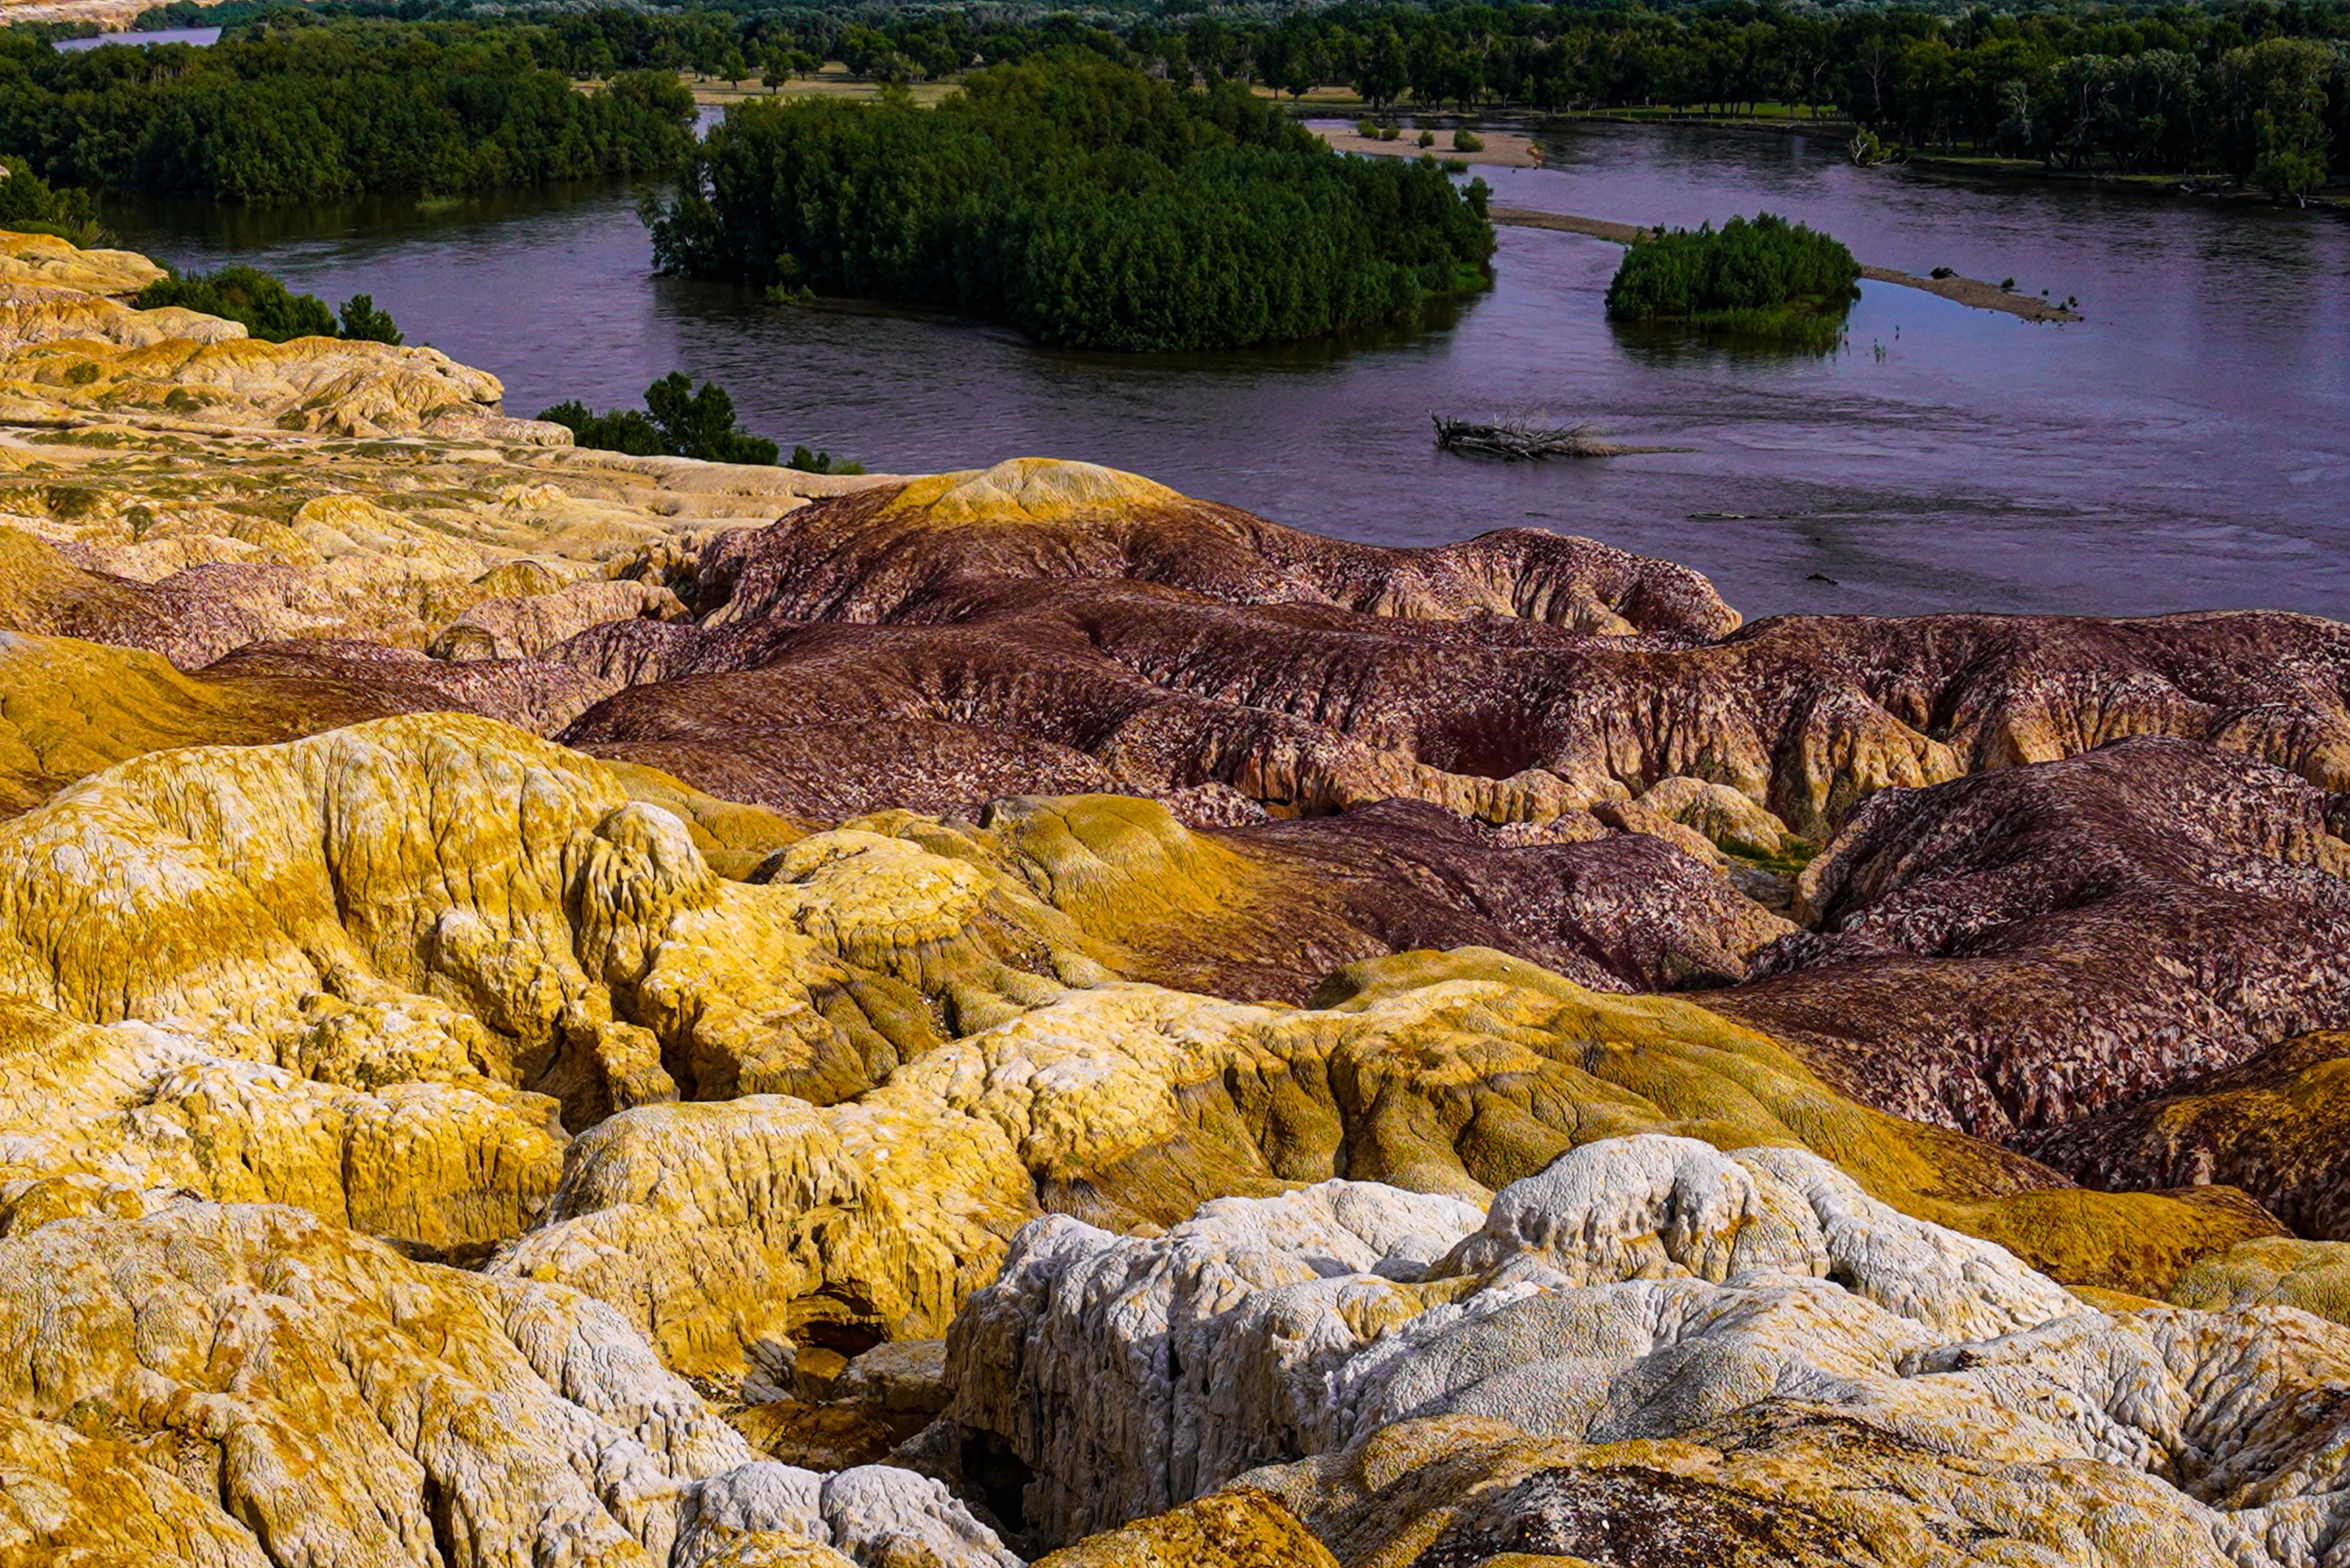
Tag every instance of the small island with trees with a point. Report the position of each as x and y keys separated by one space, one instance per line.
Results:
x=1082 y=201
x=1761 y=278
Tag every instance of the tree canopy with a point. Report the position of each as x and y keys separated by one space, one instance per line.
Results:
x=267 y=308
x=1767 y=276
x=1084 y=202
x=316 y=110
x=678 y=420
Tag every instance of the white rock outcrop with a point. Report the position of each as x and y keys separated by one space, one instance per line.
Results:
x=872 y=1516
x=1649 y=1290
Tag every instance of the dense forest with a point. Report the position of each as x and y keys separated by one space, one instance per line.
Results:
x=1087 y=204
x=296 y=112
x=2252 y=90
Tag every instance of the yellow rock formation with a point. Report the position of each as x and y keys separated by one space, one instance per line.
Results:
x=1243 y=1528
x=46 y=259
x=236 y=1386
x=1026 y=489
x=2272 y=1271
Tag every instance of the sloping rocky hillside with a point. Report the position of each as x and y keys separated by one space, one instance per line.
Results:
x=564 y=1008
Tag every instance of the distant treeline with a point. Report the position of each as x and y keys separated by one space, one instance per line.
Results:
x=1086 y=203
x=307 y=111
x=2251 y=89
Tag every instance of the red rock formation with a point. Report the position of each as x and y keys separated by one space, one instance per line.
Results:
x=2036 y=944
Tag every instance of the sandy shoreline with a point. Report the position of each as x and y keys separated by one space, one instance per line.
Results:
x=1966 y=291
x=1503 y=149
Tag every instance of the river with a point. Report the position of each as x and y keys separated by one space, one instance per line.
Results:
x=2187 y=446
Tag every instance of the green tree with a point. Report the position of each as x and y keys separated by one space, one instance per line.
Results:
x=363 y=323
x=1383 y=76
x=29 y=206
x=1087 y=204
x=678 y=420
x=2279 y=85
x=701 y=423
x=625 y=430
x=1767 y=276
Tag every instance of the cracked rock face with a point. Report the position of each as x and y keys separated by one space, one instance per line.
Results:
x=1517 y=677
x=1028 y=1014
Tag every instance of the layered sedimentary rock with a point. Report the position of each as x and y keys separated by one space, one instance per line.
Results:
x=251 y=1385
x=1651 y=1350
x=2036 y=944
x=730 y=1233
x=1265 y=910
x=48 y=262
x=1514 y=677
x=208 y=491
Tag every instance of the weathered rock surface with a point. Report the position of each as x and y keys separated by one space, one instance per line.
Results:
x=541 y=932
x=1264 y=911
x=414 y=922
x=240 y=1386
x=311 y=384
x=2036 y=944
x=928 y=550
x=2277 y=1125
x=1648 y=1343
x=1237 y=1529
x=771 y=1514
x=48 y=262
x=1174 y=643
x=2272 y=1271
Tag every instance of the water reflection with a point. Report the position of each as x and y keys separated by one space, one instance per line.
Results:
x=1665 y=345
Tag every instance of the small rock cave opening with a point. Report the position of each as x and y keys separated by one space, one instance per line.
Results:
x=998 y=1476
x=847 y=1339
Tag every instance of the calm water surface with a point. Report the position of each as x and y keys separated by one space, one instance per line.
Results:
x=2186 y=447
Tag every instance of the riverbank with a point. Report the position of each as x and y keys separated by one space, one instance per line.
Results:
x=2211 y=187
x=1968 y=291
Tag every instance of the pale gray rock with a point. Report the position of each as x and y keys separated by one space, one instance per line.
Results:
x=1134 y=1373
x=1648 y=1207
x=882 y=1516
x=1653 y=1288
x=754 y=1503
x=876 y=1516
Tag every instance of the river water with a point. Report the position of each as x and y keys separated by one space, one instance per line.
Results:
x=2187 y=446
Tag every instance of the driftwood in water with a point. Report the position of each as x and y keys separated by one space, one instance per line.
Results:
x=1517 y=440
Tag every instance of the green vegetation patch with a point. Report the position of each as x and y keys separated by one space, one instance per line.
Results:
x=29 y=206
x=676 y=421
x=267 y=308
x=1767 y=278
x=1087 y=204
